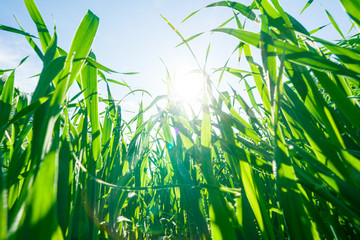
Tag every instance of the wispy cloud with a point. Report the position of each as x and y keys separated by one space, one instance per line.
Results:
x=8 y=57
x=12 y=50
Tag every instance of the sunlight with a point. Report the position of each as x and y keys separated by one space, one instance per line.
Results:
x=188 y=87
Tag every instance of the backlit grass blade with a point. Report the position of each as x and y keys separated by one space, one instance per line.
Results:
x=219 y=213
x=50 y=52
x=25 y=111
x=318 y=29
x=82 y=42
x=244 y=10
x=78 y=51
x=283 y=171
x=248 y=110
x=183 y=39
x=339 y=97
x=191 y=197
x=3 y=203
x=89 y=84
x=297 y=221
x=14 y=30
x=269 y=58
x=332 y=20
x=99 y=66
x=237 y=121
x=64 y=198
x=32 y=43
x=259 y=82
x=6 y=101
x=256 y=200
x=252 y=98
x=348 y=56
x=48 y=75
x=292 y=53
x=44 y=34
x=251 y=187
x=337 y=185
x=45 y=117
x=306 y=6
x=352 y=8
x=286 y=26
x=316 y=138
x=88 y=78
x=40 y=219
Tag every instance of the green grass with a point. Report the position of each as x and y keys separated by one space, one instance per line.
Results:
x=288 y=167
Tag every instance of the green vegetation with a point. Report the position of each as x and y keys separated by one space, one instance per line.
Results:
x=287 y=168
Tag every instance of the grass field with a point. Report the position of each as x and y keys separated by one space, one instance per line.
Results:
x=287 y=166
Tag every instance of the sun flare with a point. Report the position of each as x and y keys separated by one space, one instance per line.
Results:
x=188 y=87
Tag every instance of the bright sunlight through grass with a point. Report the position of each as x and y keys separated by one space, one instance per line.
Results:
x=282 y=165
x=188 y=87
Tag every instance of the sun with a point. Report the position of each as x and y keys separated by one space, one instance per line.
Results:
x=188 y=87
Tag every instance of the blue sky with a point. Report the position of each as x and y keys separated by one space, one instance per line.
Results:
x=133 y=37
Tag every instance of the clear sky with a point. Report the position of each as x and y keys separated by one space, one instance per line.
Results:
x=133 y=37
